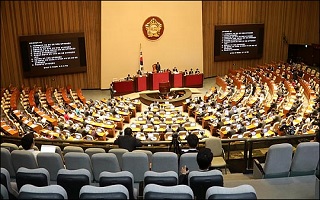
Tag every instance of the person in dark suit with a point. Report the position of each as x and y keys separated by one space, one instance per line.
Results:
x=37 y=99
x=158 y=67
x=127 y=141
x=192 y=141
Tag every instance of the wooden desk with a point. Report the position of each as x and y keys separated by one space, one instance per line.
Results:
x=176 y=80
x=193 y=80
x=122 y=87
x=8 y=129
x=140 y=83
x=49 y=96
x=222 y=83
x=54 y=122
x=155 y=78
x=81 y=97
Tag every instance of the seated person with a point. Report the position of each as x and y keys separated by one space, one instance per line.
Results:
x=185 y=72
x=175 y=70
x=128 y=77
x=139 y=72
x=204 y=158
x=197 y=71
x=191 y=71
x=27 y=143
x=127 y=141
x=192 y=141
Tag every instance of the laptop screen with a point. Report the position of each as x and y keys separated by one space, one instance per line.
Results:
x=48 y=148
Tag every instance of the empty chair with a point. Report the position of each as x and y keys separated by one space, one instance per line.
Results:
x=108 y=192
x=168 y=178
x=22 y=158
x=4 y=192
x=215 y=145
x=149 y=154
x=124 y=178
x=45 y=192
x=277 y=162
x=91 y=151
x=153 y=191
x=52 y=162
x=164 y=161
x=137 y=163
x=9 y=146
x=190 y=161
x=68 y=149
x=118 y=152
x=10 y=186
x=6 y=162
x=104 y=162
x=200 y=181
x=73 y=180
x=37 y=177
x=305 y=159
x=239 y=192
x=77 y=160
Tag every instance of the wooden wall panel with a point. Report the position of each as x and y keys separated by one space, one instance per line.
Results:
x=298 y=21
x=50 y=17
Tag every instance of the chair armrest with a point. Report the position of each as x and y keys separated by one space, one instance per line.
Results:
x=258 y=171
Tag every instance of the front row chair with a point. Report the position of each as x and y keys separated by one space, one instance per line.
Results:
x=168 y=178
x=277 y=162
x=154 y=191
x=37 y=177
x=116 y=191
x=11 y=186
x=4 y=192
x=45 y=192
x=239 y=192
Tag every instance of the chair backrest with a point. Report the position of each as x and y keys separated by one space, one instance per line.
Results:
x=164 y=161
x=9 y=146
x=78 y=160
x=4 y=192
x=68 y=149
x=190 y=161
x=137 y=163
x=239 y=192
x=5 y=181
x=23 y=158
x=215 y=145
x=124 y=178
x=104 y=162
x=149 y=154
x=52 y=162
x=108 y=192
x=37 y=177
x=94 y=150
x=118 y=152
x=200 y=181
x=46 y=192
x=278 y=161
x=6 y=162
x=305 y=159
x=73 y=180
x=153 y=191
x=168 y=178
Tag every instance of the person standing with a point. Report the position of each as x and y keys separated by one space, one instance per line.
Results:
x=127 y=141
x=158 y=67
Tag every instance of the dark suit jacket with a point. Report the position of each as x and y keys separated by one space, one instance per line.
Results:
x=158 y=68
x=127 y=142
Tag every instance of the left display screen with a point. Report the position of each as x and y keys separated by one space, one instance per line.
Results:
x=55 y=54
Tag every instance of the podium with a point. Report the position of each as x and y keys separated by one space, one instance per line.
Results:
x=193 y=80
x=140 y=83
x=176 y=80
x=155 y=78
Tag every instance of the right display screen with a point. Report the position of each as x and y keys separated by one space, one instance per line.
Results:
x=238 y=42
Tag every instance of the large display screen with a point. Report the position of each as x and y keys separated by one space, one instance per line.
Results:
x=237 y=42
x=45 y=55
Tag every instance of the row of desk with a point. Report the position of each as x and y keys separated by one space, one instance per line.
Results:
x=151 y=82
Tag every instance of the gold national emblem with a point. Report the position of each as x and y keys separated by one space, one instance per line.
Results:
x=153 y=28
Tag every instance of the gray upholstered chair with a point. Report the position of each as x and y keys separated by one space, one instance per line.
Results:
x=119 y=152
x=6 y=162
x=9 y=146
x=305 y=159
x=45 y=192
x=215 y=145
x=68 y=149
x=94 y=150
x=37 y=177
x=4 y=192
x=52 y=162
x=73 y=180
x=78 y=160
x=116 y=191
x=104 y=162
x=11 y=186
x=200 y=181
x=239 y=192
x=149 y=154
x=165 y=161
x=190 y=161
x=124 y=178
x=277 y=162
x=23 y=158
x=153 y=191
x=168 y=178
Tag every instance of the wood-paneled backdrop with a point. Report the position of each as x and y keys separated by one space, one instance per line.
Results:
x=298 y=21
x=50 y=17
